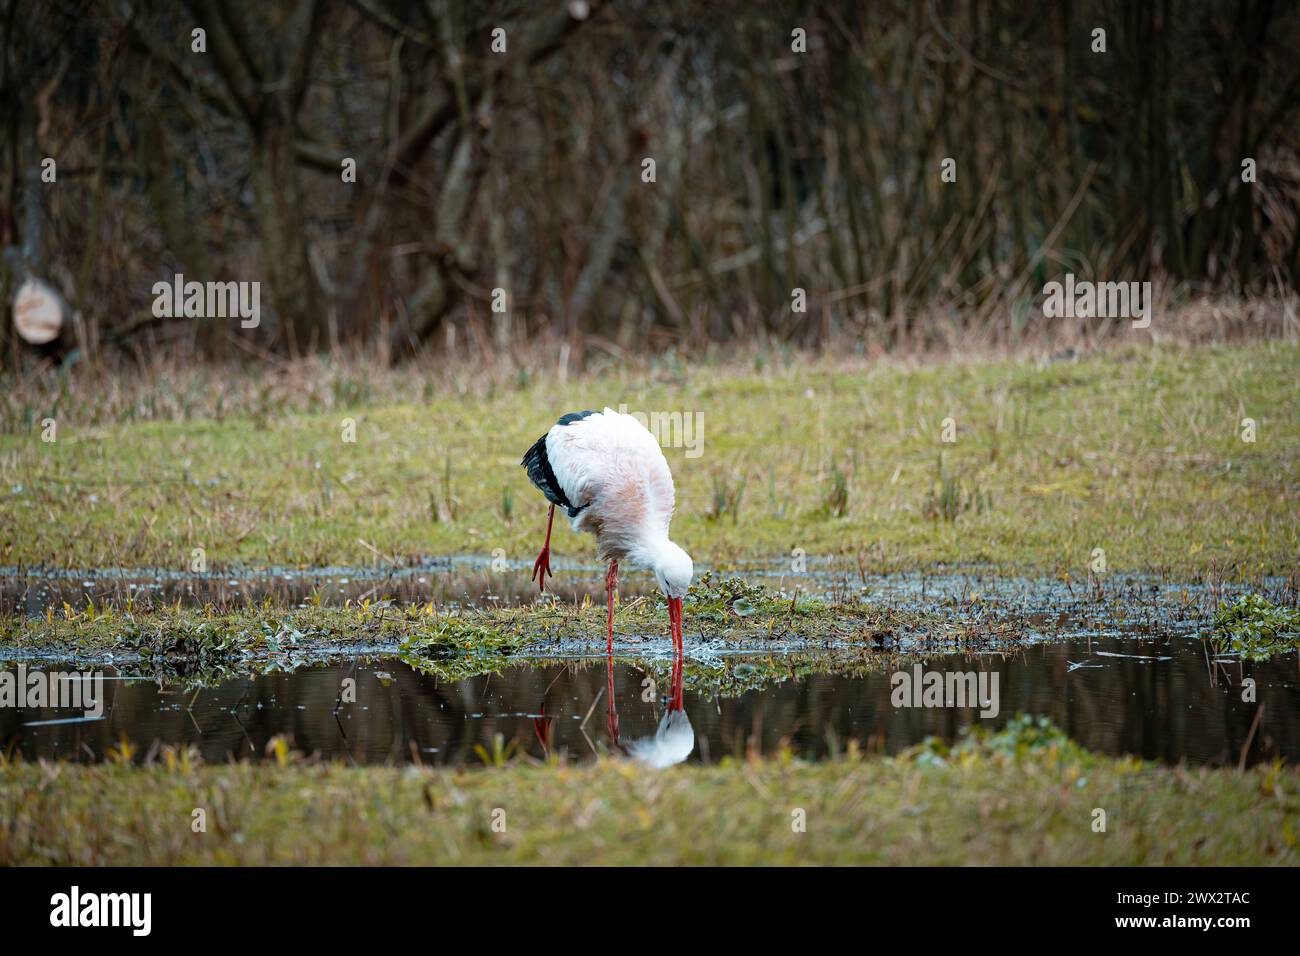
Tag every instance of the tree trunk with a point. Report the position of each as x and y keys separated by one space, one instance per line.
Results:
x=293 y=290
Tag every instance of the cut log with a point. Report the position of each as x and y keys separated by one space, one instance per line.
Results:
x=39 y=312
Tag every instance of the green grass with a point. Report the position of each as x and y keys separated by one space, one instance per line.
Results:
x=1137 y=453
x=1028 y=803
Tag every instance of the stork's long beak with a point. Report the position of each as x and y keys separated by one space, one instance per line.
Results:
x=675 y=619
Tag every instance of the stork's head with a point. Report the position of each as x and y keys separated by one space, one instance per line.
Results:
x=673 y=569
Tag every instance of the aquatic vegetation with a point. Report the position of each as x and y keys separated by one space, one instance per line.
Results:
x=725 y=599
x=735 y=676
x=1257 y=628
x=454 y=667
x=783 y=635
x=1022 y=736
x=204 y=645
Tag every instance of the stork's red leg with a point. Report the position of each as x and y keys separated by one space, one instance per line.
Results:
x=611 y=585
x=542 y=566
x=675 y=691
x=675 y=622
x=611 y=711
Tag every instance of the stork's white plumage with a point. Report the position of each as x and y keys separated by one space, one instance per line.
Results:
x=608 y=472
x=671 y=744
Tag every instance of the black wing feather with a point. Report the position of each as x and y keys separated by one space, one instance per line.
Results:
x=540 y=474
x=539 y=468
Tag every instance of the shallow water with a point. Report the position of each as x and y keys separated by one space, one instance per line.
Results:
x=1120 y=665
x=1163 y=698
x=467 y=580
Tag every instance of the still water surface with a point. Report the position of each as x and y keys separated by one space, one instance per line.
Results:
x=1163 y=698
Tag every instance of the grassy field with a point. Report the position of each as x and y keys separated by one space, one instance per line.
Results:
x=1139 y=453
x=998 y=802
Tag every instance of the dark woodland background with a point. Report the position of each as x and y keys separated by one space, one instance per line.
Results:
x=522 y=170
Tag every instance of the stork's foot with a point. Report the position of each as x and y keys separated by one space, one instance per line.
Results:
x=542 y=567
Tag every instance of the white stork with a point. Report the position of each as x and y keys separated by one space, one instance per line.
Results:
x=608 y=472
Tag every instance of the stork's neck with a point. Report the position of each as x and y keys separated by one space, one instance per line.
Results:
x=671 y=565
x=650 y=549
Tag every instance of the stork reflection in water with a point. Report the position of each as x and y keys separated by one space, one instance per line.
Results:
x=671 y=743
